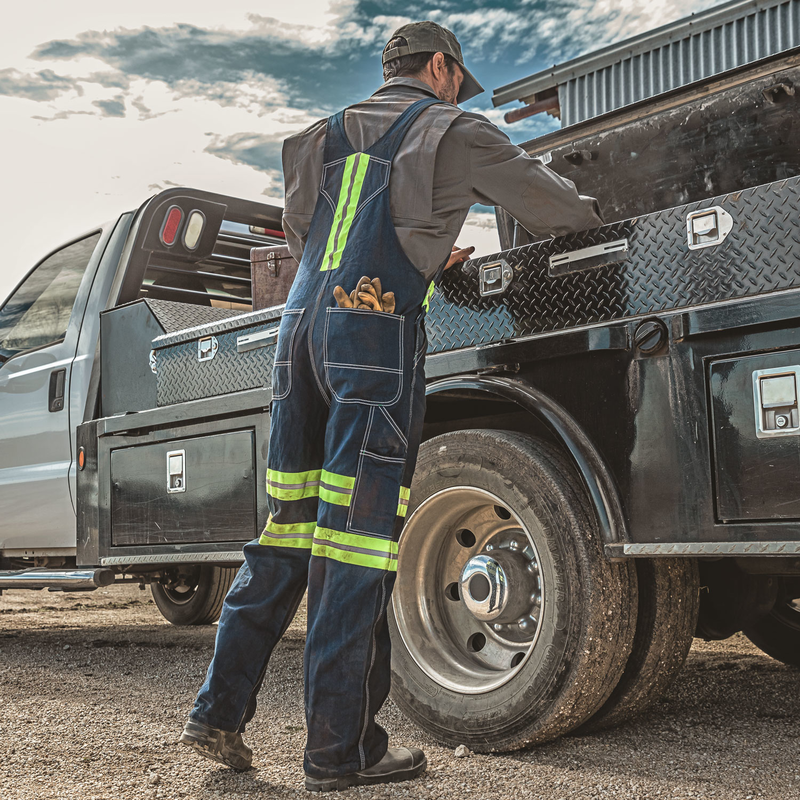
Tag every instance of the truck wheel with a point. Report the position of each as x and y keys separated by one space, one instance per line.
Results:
x=195 y=596
x=509 y=626
x=669 y=602
x=778 y=633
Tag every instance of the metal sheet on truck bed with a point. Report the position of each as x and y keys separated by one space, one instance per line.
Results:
x=563 y=284
x=216 y=358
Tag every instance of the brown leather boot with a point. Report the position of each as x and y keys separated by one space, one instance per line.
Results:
x=399 y=764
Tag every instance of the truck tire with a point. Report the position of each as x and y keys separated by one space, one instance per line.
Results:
x=778 y=633
x=198 y=598
x=669 y=602
x=499 y=521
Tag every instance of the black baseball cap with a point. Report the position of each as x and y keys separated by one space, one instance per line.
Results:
x=428 y=37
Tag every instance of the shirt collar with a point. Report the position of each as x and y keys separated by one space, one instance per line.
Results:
x=406 y=83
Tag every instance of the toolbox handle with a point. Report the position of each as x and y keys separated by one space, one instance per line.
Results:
x=254 y=340
x=599 y=255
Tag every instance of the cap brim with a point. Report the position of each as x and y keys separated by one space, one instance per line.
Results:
x=469 y=86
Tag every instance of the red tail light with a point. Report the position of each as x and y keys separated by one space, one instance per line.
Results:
x=169 y=230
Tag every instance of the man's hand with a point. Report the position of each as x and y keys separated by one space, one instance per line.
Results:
x=367 y=295
x=458 y=255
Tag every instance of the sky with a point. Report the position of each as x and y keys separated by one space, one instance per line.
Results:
x=104 y=104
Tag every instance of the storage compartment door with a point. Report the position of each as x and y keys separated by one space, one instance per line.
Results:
x=756 y=430
x=184 y=491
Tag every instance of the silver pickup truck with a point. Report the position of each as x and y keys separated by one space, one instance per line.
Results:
x=180 y=247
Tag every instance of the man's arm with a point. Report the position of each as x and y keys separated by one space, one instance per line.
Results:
x=542 y=201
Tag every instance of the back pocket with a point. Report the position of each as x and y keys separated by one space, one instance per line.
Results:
x=282 y=369
x=364 y=356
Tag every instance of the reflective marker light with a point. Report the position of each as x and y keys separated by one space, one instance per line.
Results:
x=259 y=231
x=194 y=227
x=169 y=230
x=81 y=458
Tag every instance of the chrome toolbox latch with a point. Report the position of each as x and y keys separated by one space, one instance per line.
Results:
x=776 y=401
x=707 y=227
x=494 y=278
x=207 y=348
x=176 y=471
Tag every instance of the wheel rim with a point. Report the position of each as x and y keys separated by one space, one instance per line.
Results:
x=183 y=589
x=789 y=613
x=469 y=596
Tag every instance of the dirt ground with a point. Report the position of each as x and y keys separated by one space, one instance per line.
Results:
x=95 y=687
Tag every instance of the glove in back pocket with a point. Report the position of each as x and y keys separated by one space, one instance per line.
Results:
x=364 y=356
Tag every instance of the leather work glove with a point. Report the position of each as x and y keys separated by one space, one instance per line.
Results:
x=368 y=295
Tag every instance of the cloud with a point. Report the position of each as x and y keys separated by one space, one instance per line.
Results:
x=260 y=151
x=111 y=108
x=40 y=86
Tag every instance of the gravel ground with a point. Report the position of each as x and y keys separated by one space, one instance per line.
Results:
x=95 y=687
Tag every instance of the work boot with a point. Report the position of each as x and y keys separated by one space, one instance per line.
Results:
x=223 y=746
x=399 y=764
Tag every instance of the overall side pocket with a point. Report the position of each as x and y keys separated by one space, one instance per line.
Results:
x=381 y=464
x=364 y=356
x=284 y=349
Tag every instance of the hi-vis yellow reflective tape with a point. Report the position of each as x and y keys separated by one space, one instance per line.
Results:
x=296 y=534
x=355 y=169
x=426 y=303
x=353 y=548
x=402 y=505
x=293 y=485
x=336 y=489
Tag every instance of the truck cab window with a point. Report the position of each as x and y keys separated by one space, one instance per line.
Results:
x=38 y=312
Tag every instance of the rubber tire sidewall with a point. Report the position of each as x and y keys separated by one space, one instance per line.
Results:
x=205 y=606
x=589 y=610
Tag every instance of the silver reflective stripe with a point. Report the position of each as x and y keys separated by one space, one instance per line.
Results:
x=277 y=485
x=351 y=549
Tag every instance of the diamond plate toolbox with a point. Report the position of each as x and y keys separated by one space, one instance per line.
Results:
x=646 y=265
x=216 y=358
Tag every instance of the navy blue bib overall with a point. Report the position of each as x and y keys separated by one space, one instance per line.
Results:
x=347 y=413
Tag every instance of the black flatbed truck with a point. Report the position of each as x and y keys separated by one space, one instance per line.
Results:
x=612 y=423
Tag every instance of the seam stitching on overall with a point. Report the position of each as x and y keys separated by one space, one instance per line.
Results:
x=377 y=191
x=387 y=370
x=401 y=372
x=325 y=168
x=395 y=425
x=389 y=459
x=295 y=325
x=325 y=396
x=349 y=525
x=369 y=672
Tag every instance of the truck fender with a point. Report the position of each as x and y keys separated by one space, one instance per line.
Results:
x=591 y=466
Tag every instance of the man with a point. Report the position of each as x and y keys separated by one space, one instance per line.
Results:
x=375 y=197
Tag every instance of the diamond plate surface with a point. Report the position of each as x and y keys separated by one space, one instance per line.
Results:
x=180 y=377
x=178 y=316
x=760 y=255
x=234 y=320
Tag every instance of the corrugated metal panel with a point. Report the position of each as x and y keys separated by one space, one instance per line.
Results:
x=765 y=31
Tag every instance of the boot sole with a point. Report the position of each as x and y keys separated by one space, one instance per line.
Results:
x=207 y=751
x=354 y=779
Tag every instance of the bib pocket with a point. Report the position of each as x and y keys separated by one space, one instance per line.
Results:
x=364 y=356
x=282 y=369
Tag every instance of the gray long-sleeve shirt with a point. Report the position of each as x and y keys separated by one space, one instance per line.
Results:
x=449 y=160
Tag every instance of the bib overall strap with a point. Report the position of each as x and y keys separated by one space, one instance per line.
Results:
x=337 y=145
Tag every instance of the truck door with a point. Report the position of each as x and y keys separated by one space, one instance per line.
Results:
x=39 y=327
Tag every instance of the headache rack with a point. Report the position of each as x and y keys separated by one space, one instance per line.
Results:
x=216 y=271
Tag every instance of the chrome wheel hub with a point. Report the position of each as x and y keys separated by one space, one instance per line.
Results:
x=469 y=595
